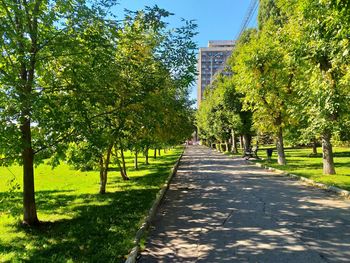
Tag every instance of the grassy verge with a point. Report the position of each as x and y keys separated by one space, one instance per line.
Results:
x=80 y=225
x=300 y=162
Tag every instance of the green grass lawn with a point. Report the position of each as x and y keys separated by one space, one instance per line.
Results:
x=80 y=225
x=300 y=163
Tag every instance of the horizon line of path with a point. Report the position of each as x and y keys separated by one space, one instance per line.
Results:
x=219 y=209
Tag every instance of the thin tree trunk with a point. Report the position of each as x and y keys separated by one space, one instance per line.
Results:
x=241 y=142
x=104 y=165
x=327 y=152
x=234 y=142
x=123 y=175
x=280 y=147
x=146 y=156
x=123 y=161
x=136 y=165
x=107 y=162
x=314 y=147
x=155 y=153
x=247 y=139
x=159 y=152
x=226 y=145
x=102 y=177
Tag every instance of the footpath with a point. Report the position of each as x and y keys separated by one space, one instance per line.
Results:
x=220 y=209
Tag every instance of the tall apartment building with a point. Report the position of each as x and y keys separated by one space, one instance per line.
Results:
x=211 y=59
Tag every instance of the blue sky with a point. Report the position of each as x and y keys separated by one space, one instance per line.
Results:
x=216 y=19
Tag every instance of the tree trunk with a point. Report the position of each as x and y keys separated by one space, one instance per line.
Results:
x=25 y=94
x=220 y=147
x=155 y=153
x=136 y=165
x=159 y=152
x=241 y=143
x=247 y=139
x=226 y=145
x=102 y=177
x=146 y=156
x=104 y=165
x=327 y=152
x=123 y=175
x=29 y=208
x=280 y=147
x=234 y=142
x=314 y=147
x=123 y=161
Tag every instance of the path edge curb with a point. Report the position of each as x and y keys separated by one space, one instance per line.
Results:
x=132 y=256
x=330 y=188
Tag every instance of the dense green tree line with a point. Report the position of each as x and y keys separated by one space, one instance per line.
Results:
x=291 y=74
x=77 y=84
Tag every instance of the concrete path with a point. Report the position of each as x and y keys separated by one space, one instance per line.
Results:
x=220 y=209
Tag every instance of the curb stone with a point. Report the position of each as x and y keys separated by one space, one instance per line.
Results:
x=330 y=188
x=132 y=257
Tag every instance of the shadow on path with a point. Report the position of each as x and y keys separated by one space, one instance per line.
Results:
x=220 y=209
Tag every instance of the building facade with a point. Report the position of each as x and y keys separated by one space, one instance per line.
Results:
x=211 y=60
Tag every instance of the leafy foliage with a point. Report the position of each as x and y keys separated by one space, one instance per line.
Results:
x=73 y=79
x=292 y=74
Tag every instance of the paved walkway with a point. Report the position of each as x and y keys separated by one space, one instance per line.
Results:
x=220 y=209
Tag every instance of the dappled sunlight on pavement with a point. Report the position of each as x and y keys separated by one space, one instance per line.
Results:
x=220 y=209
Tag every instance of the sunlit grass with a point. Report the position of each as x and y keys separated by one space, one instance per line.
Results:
x=301 y=162
x=80 y=225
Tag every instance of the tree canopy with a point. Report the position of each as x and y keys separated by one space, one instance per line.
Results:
x=292 y=75
x=77 y=84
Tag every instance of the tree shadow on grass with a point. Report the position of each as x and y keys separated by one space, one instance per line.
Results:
x=102 y=229
x=46 y=200
x=336 y=155
x=157 y=173
x=342 y=154
x=300 y=164
x=293 y=165
x=296 y=165
x=312 y=156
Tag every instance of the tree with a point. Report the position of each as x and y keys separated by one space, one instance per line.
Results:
x=240 y=120
x=69 y=77
x=265 y=75
x=220 y=116
x=322 y=43
x=33 y=33
x=118 y=118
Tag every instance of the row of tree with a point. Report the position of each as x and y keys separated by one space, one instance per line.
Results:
x=290 y=77
x=77 y=84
